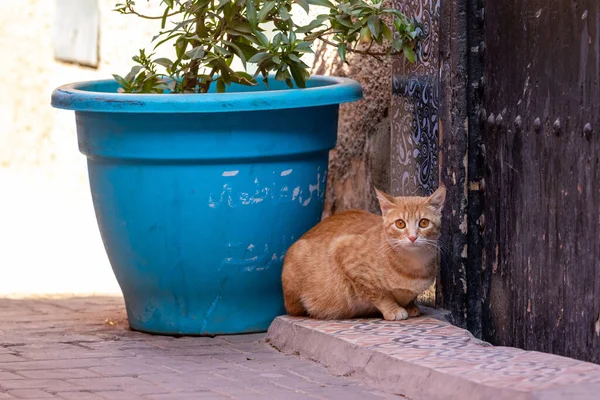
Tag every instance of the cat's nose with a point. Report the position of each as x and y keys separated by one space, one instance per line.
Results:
x=412 y=238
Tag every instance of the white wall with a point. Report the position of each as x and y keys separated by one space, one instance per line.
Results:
x=49 y=241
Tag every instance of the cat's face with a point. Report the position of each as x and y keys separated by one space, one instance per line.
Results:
x=412 y=223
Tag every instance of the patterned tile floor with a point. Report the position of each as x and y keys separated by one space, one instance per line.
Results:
x=432 y=343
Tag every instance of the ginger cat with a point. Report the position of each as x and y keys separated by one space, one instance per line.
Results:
x=356 y=264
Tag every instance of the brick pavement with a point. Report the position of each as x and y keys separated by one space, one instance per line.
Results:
x=81 y=349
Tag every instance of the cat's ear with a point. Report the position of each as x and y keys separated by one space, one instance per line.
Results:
x=386 y=202
x=437 y=199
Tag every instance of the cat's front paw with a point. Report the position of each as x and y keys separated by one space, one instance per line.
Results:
x=396 y=315
x=413 y=310
x=401 y=314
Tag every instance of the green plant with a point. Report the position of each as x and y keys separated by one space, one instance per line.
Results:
x=208 y=34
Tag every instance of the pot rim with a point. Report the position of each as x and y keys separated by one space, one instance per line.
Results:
x=322 y=91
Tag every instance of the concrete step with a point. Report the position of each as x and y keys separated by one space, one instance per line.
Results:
x=428 y=358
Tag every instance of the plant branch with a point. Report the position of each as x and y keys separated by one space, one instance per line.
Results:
x=351 y=50
x=132 y=11
x=206 y=85
x=190 y=80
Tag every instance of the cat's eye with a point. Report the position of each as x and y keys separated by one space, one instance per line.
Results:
x=424 y=223
x=400 y=224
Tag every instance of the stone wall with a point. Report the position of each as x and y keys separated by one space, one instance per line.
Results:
x=360 y=161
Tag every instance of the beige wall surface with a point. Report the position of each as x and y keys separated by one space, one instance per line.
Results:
x=49 y=242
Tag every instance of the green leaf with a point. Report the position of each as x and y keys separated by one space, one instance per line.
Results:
x=393 y=11
x=248 y=50
x=164 y=17
x=262 y=39
x=222 y=3
x=344 y=20
x=304 y=4
x=409 y=53
x=124 y=84
x=224 y=68
x=365 y=34
x=417 y=32
x=241 y=26
x=220 y=86
x=310 y=27
x=180 y=47
x=196 y=5
x=266 y=65
x=344 y=8
x=387 y=33
x=303 y=47
x=374 y=24
x=265 y=10
x=249 y=37
x=251 y=13
x=298 y=76
x=132 y=74
x=294 y=58
x=399 y=25
x=174 y=35
x=277 y=40
x=165 y=62
x=195 y=53
x=265 y=75
x=221 y=51
x=259 y=57
x=148 y=86
x=284 y=14
x=238 y=52
x=282 y=75
x=322 y=3
x=183 y=24
x=342 y=51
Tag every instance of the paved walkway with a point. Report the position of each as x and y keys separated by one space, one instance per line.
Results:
x=81 y=349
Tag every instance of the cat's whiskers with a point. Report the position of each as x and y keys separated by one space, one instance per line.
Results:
x=435 y=246
x=391 y=244
x=428 y=245
x=432 y=249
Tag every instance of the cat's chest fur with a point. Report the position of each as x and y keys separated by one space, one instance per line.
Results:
x=415 y=273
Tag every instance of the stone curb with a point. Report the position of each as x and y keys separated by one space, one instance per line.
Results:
x=428 y=358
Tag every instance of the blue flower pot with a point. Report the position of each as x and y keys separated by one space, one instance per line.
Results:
x=199 y=196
